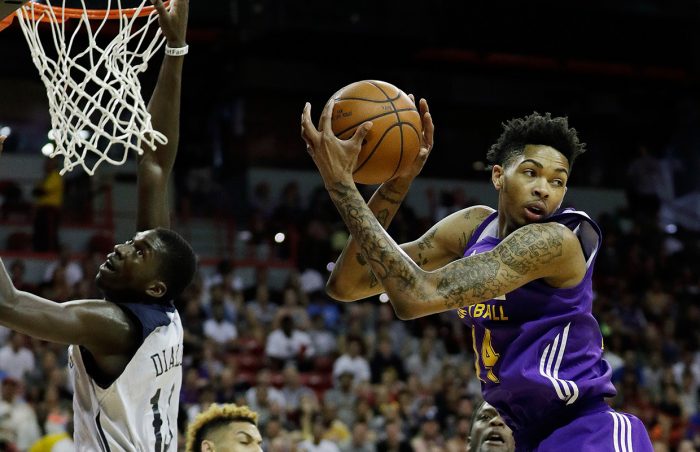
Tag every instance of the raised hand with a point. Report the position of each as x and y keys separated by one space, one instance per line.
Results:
x=426 y=142
x=334 y=158
x=173 y=20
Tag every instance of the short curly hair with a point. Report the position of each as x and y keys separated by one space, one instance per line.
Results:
x=214 y=417
x=535 y=129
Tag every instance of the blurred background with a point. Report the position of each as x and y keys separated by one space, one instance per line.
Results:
x=246 y=195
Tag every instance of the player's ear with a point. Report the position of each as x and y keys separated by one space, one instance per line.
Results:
x=207 y=446
x=497 y=176
x=156 y=289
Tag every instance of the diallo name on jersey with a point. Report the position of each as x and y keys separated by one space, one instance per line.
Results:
x=167 y=359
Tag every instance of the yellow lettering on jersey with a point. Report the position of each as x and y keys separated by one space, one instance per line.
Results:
x=493 y=312
x=476 y=356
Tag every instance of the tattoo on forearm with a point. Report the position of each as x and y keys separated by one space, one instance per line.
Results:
x=382 y=217
x=470 y=278
x=361 y=259
x=372 y=280
x=387 y=262
x=389 y=195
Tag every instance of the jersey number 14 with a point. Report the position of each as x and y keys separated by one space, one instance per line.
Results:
x=488 y=357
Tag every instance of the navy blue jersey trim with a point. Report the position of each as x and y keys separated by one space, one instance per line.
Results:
x=105 y=445
x=148 y=316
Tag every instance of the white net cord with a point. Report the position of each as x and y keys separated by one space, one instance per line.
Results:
x=97 y=110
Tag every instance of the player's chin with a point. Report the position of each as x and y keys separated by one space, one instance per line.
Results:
x=104 y=278
x=493 y=446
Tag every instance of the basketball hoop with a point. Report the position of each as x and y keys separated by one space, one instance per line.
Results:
x=97 y=111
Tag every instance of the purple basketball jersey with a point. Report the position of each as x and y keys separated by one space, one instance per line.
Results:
x=538 y=349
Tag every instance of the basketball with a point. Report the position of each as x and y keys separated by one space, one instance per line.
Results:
x=394 y=139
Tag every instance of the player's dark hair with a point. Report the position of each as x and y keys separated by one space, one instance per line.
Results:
x=178 y=263
x=535 y=129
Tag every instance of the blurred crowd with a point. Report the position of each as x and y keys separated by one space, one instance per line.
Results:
x=330 y=376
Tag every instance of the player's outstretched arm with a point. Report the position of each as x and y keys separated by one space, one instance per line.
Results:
x=534 y=251
x=155 y=166
x=101 y=327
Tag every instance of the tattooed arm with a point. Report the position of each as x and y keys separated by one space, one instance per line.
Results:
x=440 y=245
x=549 y=251
x=351 y=278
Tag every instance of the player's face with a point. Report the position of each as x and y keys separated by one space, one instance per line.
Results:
x=532 y=186
x=490 y=433
x=134 y=265
x=236 y=437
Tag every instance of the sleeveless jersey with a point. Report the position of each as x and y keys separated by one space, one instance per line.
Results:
x=538 y=349
x=138 y=410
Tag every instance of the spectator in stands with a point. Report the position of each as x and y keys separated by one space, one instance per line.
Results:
x=261 y=311
x=354 y=361
x=343 y=397
x=316 y=442
x=16 y=359
x=18 y=420
x=293 y=390
x=291 y=305
x=218 y=328
x=325 y=342
x=264 y=398
x=429 y=438
x=48 y=202
x=72 y=269
x=385 y=358
x=361 y=439
x=424 y=364
x=287 y=344
x=18 y=270
x=458 y=441
x=394 y=440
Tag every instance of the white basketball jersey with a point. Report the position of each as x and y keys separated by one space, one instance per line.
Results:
x=138 y=411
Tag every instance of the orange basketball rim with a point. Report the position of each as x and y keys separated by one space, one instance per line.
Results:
x=61 y=14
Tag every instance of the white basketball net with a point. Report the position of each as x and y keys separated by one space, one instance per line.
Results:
x=97 y=110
